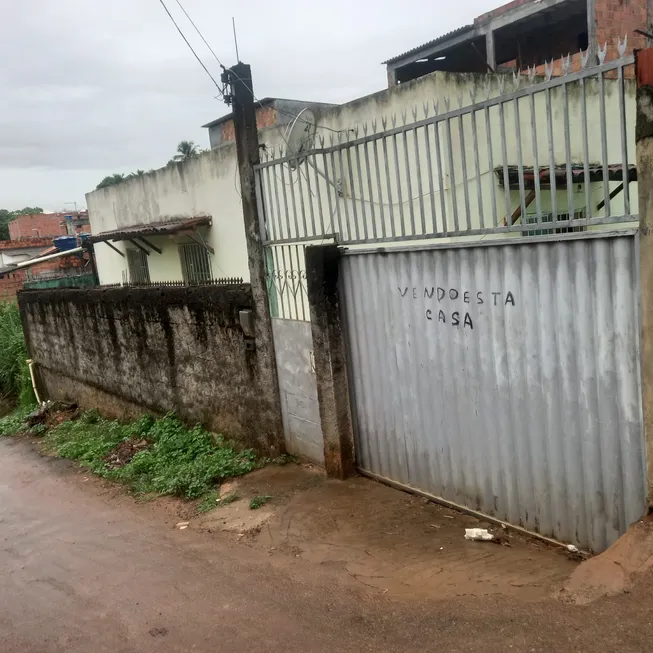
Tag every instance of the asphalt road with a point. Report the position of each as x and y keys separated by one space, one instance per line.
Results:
x=80 y=572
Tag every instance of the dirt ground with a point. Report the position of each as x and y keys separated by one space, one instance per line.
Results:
x=324 y=566
x=384 y=539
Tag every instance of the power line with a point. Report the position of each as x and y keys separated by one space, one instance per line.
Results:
x=251 y=91
x=197 y=29
x=190 y=46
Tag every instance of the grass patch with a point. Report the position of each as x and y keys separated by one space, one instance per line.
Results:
x=180 y=461
x=258 y=501
x=15 y=382
x=15 y=422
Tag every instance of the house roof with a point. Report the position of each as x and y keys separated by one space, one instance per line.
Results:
x=430 y=44
x=152 y=229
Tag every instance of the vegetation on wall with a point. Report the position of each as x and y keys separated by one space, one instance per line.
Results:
x=7 y=216
x=186 y=150
x=15 y=382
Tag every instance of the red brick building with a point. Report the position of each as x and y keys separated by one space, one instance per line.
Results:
x=48 y=225
x=526 y=33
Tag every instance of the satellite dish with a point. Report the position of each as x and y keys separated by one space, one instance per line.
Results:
x=300 y=136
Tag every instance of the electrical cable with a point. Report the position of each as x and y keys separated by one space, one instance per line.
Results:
x=190 y=20
x=191 y=47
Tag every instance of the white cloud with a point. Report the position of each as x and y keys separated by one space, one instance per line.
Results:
x=92 y=88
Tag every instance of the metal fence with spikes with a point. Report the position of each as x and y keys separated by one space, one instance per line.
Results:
x=523 y=155
x=223 y=281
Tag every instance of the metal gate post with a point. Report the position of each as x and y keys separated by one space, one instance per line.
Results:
x=644 y=139
x=322 y=268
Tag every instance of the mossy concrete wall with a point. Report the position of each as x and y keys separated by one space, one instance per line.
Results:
x=127 y=351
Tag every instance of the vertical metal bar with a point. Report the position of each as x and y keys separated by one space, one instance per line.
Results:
x=369 y=186
x=536 y=162
x=506 y=176
x=350 y=167
x=310 y=198
x=393 y=229
x=360 y=186
x=284 y=278
x=399 y=194
x=329 y=186
x=429 y=165
x=277 y=202
x=274 y=280
x=409 y=185
x=463 y=166
x=334 y=183
x=552 y=158
x=490 y=158
x=570 y=178
x=420 y=192
x=261 y=205
x=624 y=140
x=438 y=154
x=586 y=156
x=477 y=171
x=273 y=218
x=285 y=200
x=604 y=145
x=375 y=150
x=318 y=192
x=302 y=204
x=293 y=201
x=343 y=186
x=452 y=175
x=298 y=289
x=520 y=161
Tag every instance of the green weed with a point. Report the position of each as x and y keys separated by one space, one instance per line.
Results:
x=15 y=422
x=180 y=461
x=15 y=381
x=258 y=501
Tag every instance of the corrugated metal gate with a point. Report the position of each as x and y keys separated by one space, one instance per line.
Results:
x=505 y=378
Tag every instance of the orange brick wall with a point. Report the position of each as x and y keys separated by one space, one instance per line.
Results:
x=12 y=282
x=616 y=19
x=45 y=224
x=265 y=117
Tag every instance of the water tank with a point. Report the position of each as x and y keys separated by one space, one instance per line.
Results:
x=62 y=243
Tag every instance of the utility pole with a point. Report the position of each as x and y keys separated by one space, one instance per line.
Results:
x=241 y=95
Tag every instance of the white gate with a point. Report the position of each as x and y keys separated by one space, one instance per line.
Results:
x=505 y=378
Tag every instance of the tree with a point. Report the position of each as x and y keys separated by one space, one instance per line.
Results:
x=111 y=180
x=186 y=150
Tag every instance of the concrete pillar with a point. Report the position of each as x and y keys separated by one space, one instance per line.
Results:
x=644 y=139
x=322 y=268
x=247 y=151
x=490 y=52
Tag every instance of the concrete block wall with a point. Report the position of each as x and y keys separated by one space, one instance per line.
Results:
x=127 y=351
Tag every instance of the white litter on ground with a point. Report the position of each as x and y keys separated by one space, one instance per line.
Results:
x=478 y=535
x=572 y=548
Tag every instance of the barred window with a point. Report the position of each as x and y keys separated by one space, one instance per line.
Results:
x=195 y=263
x=139 y=272
x=548 y=217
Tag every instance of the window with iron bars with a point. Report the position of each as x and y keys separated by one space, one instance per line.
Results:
x=139 y=272
x=548 y=217
x=195 y=263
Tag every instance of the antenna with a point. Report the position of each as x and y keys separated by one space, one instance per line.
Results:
x=233 y=23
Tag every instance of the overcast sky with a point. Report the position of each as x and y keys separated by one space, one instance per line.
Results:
x=90 y=88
